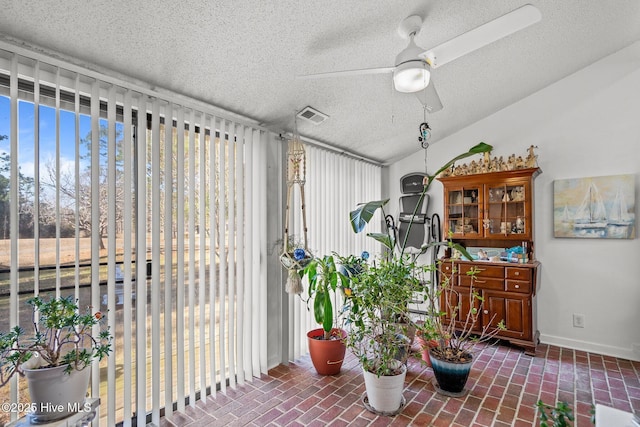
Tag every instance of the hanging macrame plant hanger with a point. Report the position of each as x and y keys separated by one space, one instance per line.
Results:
x=293 y=257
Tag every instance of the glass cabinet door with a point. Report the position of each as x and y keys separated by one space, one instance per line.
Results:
x=506 y=210
x=464 y=213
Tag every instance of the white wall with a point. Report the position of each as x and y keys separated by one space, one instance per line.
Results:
x=588 y=124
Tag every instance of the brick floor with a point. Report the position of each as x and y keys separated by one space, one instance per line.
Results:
x=503 y=388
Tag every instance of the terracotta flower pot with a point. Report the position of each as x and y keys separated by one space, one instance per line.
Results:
x=425 y=346
x=327 y=355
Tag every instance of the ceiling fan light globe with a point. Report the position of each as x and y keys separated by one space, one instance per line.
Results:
x=412 y=76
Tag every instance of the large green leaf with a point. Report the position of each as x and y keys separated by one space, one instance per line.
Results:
x=327 y=324
x=333 y=281
x=462 y=250
x=311 y=271
x=363 y=213
x=318 y=307
x=456 y=246
x=383 y=238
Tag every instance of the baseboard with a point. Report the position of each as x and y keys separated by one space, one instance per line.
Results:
x=607 y=350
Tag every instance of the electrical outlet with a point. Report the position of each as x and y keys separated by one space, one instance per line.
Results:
x=578 y=320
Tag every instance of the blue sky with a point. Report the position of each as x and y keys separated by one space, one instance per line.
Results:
x=47 y=135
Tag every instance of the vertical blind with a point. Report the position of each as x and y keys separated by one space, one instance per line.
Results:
x=143 y=206
x=335 y=184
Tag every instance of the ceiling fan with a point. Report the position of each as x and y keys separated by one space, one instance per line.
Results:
x=412 y=69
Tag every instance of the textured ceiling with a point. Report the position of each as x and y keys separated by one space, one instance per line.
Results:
x=244 y=56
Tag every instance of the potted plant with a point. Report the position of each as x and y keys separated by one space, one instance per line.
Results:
x=377 y=300
x=326 y=344
x=453 y=338
x=55 y=357
x=380 y=298
x=294 y=256
x=425 y=338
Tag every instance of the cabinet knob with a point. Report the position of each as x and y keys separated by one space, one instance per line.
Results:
x=517 y=286
x=486 y=311
x=517 y=273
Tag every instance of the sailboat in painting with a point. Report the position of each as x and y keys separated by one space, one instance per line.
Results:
x=595 y=207
x=620 y=220
x=619 y=214
x=566 y=216
x=591 y=216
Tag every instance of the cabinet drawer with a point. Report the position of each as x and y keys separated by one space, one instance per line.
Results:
x=483 y=270
x=518 y=273
x=446 y=267
x=518 y=286
x=483 y=282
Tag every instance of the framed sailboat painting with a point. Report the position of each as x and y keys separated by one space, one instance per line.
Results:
x=595 y=208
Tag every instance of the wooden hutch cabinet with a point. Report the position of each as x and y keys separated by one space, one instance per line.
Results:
x=495 y=205
x=494 y=210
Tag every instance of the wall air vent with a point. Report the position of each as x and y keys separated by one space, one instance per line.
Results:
x=312 y=115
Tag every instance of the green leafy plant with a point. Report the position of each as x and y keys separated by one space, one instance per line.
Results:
x=364 y=212
x=324 y=279
x=375 y=314
x=381 y=293
x=558 y=416
x=456 y=335
x=62 y=336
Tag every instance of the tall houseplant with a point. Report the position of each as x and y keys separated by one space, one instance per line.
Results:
x=373 y=312
x=381 y=294
x=326 y=344
x=55 y=357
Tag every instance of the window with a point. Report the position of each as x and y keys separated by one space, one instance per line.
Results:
x=145 y=206
x=335 y=184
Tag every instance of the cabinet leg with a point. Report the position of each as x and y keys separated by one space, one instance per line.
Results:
x=530 y=350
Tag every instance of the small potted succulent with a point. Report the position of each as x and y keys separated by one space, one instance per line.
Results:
x=294 y=257
x=54 y=358
x=294 y=253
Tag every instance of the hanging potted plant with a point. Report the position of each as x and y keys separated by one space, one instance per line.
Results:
x=380 y=298
x=55 y=357
x=326 y=344
x=294 y=257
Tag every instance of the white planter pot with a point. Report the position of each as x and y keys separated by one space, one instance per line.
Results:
x=384 y=393
x=55 y=394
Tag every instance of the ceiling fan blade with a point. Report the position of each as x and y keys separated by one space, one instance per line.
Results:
x=346 y=73
x=429 y=98
x=483 y=35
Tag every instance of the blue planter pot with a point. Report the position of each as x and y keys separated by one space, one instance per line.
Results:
x=451 y=376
